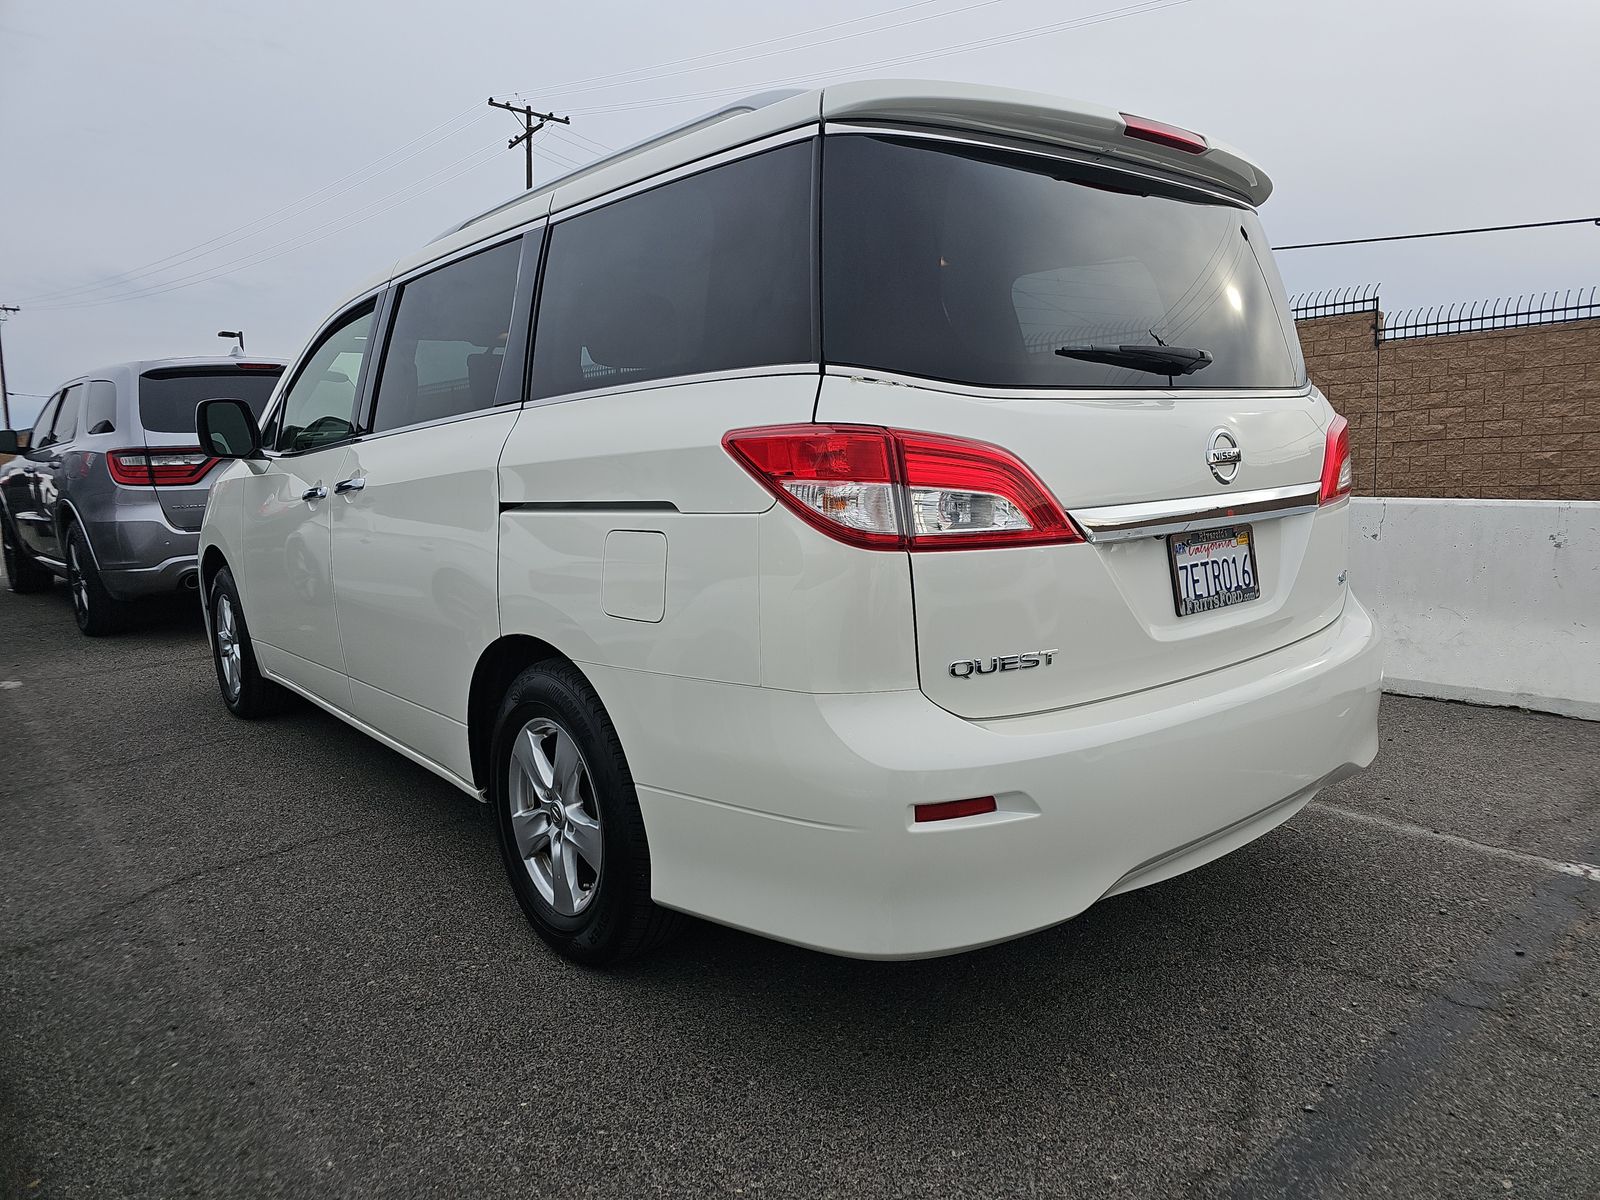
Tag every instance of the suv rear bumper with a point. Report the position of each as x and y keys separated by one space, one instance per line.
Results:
x=180 y=573
x=790 y=814
x=144 y=557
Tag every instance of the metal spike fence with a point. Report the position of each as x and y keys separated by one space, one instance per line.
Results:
x=1334 y=302
x=1511 y=312
x=1474 y=316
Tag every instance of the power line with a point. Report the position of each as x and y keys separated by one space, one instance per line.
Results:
x=599 y=146
x=625 y=76
x=1098 y=18
x=480 y=157
x=262 y=223
x=1407 y=237
x=654 y=73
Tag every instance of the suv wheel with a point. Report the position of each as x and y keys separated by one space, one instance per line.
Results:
x=22 y=573
x=570 y=829
x=98 y=612
x=245 y=691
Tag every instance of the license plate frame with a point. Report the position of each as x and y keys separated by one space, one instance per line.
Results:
x=1195 y=605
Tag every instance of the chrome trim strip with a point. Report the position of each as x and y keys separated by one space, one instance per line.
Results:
x=1125 y=395
x=1157 y=518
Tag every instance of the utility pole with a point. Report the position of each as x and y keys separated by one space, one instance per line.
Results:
x=5 y=393
x=528 y=129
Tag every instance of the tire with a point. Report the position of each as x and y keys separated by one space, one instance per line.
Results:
x=96 y=610
x=22 y=573
x=247 y=693
x=599 y=911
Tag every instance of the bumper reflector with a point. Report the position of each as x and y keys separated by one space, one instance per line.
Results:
x=948 y=810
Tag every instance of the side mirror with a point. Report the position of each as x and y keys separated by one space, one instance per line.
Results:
x=227 y=428
x=9 y=442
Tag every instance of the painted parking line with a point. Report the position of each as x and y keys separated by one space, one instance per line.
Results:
x=1580 y=869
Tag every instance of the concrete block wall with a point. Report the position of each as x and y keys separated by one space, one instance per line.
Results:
x=1496 y=414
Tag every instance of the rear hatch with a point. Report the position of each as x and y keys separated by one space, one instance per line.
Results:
x=1127 y=338
x=168 y=397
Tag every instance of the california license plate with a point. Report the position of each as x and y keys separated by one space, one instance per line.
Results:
x=1213 y=569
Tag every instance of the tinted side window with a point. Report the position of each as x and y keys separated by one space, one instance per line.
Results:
x=66 y=422
x=448 y=340
x=320 y=406
x=41 y=428
x=707 y=273
x=100 y=409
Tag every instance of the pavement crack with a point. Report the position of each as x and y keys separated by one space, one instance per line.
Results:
x=79 y=927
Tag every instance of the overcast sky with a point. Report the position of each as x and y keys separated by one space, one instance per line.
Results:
x=174 y=167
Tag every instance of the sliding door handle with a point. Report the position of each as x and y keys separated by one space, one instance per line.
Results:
x=349 y=485
x=315 y=493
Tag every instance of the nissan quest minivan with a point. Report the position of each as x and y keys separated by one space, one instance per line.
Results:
x=887 y=518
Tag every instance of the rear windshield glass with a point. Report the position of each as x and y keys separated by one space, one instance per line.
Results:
x=980 y=267
x=167 y=402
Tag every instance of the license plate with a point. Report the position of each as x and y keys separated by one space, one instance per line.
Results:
x=1213 y=569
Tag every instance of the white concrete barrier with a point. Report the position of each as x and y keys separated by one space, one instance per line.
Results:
x=1493 y=601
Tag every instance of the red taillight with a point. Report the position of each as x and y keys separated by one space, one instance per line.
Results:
x=1338 y=471
x=161 y=468
x=894 y=489
x=948 y=810
x=1162 y=134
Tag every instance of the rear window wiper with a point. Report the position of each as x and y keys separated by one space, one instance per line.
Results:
x=1159 y=360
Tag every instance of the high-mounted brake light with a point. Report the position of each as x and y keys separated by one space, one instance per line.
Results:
x=895 y=489
x=164 y=468
x=1162 y=134
x=244 y=366
x=1338 y=470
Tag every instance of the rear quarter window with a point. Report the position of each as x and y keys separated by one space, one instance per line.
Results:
x=707 y=273
x=100 y=409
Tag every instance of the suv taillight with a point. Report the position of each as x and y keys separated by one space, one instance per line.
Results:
x=894 y=489
x=161 y=468
x=1338 y=471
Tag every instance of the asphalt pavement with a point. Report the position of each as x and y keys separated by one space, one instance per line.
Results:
x=275 y=959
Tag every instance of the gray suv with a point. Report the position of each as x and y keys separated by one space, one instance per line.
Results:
x=108 y=488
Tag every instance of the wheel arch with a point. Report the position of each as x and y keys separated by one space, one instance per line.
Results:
x=211 y=562
x=501 y=662
x=67 y=515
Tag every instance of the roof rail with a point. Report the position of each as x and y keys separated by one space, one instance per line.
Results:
x=737 y=108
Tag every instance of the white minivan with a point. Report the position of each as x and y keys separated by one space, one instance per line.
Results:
x=887 y=518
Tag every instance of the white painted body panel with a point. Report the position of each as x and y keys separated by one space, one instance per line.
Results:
x=1107 y=610
x=790 y=813
x=415 y=577
x=285 y=551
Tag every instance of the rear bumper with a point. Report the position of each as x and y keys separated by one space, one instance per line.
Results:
x=144 y=556
x=790 y=814
x=180 y=573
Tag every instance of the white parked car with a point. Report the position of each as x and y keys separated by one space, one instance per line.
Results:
x=887 y=518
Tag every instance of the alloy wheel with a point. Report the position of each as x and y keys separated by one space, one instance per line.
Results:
x=78 y=585
x=230 y=657
x=555 y=816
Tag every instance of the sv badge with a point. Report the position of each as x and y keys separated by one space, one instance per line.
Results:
x=966 y=668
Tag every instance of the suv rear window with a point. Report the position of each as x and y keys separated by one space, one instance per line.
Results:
x=977 y=266
x=167 y=399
